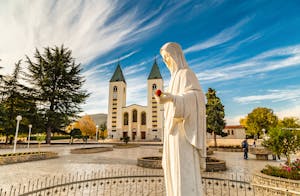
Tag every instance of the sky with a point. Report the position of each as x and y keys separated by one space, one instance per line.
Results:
x=248 y=51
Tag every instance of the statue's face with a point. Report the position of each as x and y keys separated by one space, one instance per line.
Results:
x=167 y=58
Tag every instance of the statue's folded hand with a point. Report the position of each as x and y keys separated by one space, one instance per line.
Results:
x=164 y=98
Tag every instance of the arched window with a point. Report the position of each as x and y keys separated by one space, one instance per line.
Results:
x=115 y=88
x=125 y=118
x=154 y=86
x=134 y=116
x=143 y=117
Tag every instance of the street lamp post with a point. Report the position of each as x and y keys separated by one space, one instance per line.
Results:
x=19 y=118
x=97 y=133
x=29 y=126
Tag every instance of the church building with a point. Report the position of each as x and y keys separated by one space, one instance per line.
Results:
x=136 y=121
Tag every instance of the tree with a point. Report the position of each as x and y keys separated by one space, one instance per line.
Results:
x=260 y=118
x=16 y=100
x=282 y=141
x=103 y=129
x=125 y=139
x=289 y=122
x=215 y=115
x=75 y=133
x=56 y=78
x=87 y=126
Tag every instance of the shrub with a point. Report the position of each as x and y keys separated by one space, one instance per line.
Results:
x=282 y=141
x=125 y=139
x=291 y=172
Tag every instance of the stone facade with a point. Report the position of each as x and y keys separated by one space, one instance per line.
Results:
x=233 y=131
x=136 y=121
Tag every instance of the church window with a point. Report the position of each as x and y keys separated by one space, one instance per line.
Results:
x=154 y=87
x=115 y=88
x=125 y=118
x=143 y=118
x=134 y=116
x=232 y=133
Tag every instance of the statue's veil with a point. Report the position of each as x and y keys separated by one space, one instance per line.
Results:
x=176 y=53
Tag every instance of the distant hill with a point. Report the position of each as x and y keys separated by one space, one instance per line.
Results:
x=99 y=118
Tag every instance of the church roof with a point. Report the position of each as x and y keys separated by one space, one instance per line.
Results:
x=118 y=75
x=155 y=73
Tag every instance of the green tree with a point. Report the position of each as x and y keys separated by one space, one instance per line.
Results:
x=75 y=133
x=260 y=118
x=16 y=100
x=56 y=78
x=125 y=139
x=215 y=115
x=283 y=141
x=289 y=122
x=103 y=129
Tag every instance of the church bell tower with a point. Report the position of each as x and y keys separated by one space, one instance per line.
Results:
x=116 y=101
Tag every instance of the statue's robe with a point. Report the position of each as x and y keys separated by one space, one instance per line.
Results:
x=184 y=135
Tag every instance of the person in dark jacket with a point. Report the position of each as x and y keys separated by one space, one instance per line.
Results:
x=245 y=147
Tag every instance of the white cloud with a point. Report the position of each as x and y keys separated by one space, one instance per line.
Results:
x=137 y=90
x=235 y=120
x=272 y=95
x=293 y=111
x=87 y=27
x=222 y=37
x=267 y=61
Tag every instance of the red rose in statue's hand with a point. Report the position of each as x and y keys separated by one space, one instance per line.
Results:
x=158 y=92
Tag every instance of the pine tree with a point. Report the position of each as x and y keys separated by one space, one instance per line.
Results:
x=215 y=115
x=16 y=100
x=56 y=78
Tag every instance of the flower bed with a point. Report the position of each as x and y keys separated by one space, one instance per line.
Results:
x=282 y=180
x=10 y=158
x=284 y=171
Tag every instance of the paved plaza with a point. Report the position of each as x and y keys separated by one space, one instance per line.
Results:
x=117 y=159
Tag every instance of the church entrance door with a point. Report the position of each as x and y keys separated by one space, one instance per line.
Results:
x=133 y=135
x=143 y=135
x=125 y=134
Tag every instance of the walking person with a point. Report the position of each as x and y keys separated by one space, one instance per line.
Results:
x=245 y=147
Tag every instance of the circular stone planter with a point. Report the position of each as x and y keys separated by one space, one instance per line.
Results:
x=90 y=150
x=271 y=185
x=25 y=157
x=215 y=165
x=260 y=152
x=154 y=162
x=150 y=162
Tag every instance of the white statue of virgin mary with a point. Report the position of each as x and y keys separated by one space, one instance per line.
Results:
x=184 y=147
